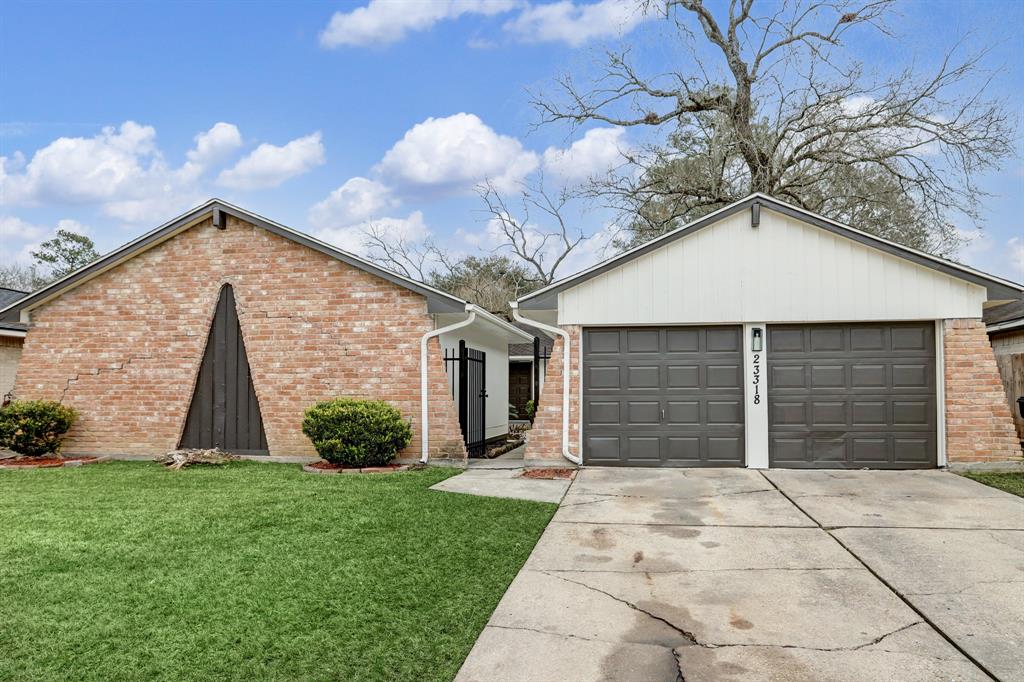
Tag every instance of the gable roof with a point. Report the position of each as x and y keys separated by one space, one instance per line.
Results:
x=998 y=288
x=1005 y=317
x=9 y=296
x=437 y=301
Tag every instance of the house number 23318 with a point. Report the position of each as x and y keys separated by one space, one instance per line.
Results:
x=757 y=378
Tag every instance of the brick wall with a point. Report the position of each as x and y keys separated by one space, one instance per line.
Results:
x=125 y=347
x=10 y=355
x=978 y=423
x=545 y=438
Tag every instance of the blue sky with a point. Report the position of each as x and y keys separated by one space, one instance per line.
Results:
x=115 y=117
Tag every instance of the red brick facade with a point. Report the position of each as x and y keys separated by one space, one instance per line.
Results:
x=979 y=427
x=124 y=348
x=545 y=438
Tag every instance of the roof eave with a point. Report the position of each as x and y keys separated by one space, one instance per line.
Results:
x=437 y=301
x=997 y=288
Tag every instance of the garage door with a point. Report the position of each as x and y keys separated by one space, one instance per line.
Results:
x=851 y=396
x=663 y=396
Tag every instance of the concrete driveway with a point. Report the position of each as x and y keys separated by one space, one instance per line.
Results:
x=732 y=574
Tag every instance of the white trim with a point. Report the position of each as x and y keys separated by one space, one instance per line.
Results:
x=13 y=333
x=502 y=324
x=755 y=415
x=424 y=380
x=940 y=394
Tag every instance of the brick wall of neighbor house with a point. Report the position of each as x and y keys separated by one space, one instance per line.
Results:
x=125 y=347
x=978 y=423
x=545 y=438
x=10 y=354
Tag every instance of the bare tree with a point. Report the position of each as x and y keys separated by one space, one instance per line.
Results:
x=772 y=102
x=542 y=248
x=21 y=277
x=415 y=260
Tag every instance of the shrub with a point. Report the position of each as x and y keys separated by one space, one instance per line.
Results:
x=357 y=433
x=531 y=409
x=35 y=427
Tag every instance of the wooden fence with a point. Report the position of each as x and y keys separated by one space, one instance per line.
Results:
x=1011 y=371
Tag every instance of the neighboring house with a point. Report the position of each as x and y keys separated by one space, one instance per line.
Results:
x=763 y=335
x=12 y=337
x=527 y=363
x=221 y=327
x=1005 y=326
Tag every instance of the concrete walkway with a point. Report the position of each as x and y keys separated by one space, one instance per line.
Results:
x=733 y=575
x=503 y=477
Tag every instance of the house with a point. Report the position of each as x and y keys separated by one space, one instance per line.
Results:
x=12 y=336
x=763 y=335
x=527 y=363
x=1005 y=326
x=221 y=327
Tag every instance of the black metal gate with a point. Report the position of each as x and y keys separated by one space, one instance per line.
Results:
x=468 y=382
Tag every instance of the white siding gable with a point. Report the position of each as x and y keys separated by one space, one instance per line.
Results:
x=785 y=270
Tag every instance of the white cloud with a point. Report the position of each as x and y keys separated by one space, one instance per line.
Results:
x=215 y=144
x=596 y=153
x=982 y=252
x=19 y=238
x=576 y=24
x=269 y=165
x=382 y=22
x=121 y=170
x=355 y=201
x=456 y=153
x=352 y=238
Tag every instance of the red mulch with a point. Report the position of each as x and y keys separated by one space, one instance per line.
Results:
x=550 y=474
x=43 y=462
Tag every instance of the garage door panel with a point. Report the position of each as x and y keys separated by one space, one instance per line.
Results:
x=643 y=377
x=642 y=341
x=724 y=376
x=682 y=340
x=642 y=413
x=663 y=396
x=604 y=377
x=725 y=412
x=683 y=412
x=723 y=340
x=604 y=412
x=683 y=376
x=870 y=399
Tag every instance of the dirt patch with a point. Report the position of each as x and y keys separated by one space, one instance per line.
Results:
x=322 y=467
x=47 y=462
x=549 y=474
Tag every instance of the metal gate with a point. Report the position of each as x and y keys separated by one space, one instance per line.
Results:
x=469 y=386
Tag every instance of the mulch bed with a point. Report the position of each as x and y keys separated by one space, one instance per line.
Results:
x=323 y=467
x=47 y=462
x=550 y=474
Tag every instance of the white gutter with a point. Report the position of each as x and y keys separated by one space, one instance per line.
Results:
x=566 y=356
x=13 y=332
x=424 y=392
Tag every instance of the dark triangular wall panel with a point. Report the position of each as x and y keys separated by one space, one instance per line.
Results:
x=224 y=412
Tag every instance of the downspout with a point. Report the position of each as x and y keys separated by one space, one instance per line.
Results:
x=424 y=392
x=566 y=356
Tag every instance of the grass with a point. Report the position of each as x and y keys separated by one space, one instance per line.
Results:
x=254 y=571
x=1010 y=482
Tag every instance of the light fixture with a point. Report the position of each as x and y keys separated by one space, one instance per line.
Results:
x=756 y=343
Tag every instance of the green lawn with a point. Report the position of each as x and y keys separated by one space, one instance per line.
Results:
x=1010 y=482
x=254 y=571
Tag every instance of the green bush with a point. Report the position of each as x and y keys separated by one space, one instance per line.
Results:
x=357 y=433
x=531 y=409
x=35 y=427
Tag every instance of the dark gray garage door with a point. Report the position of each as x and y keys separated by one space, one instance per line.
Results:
x=851 y=396
x=663 y=396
